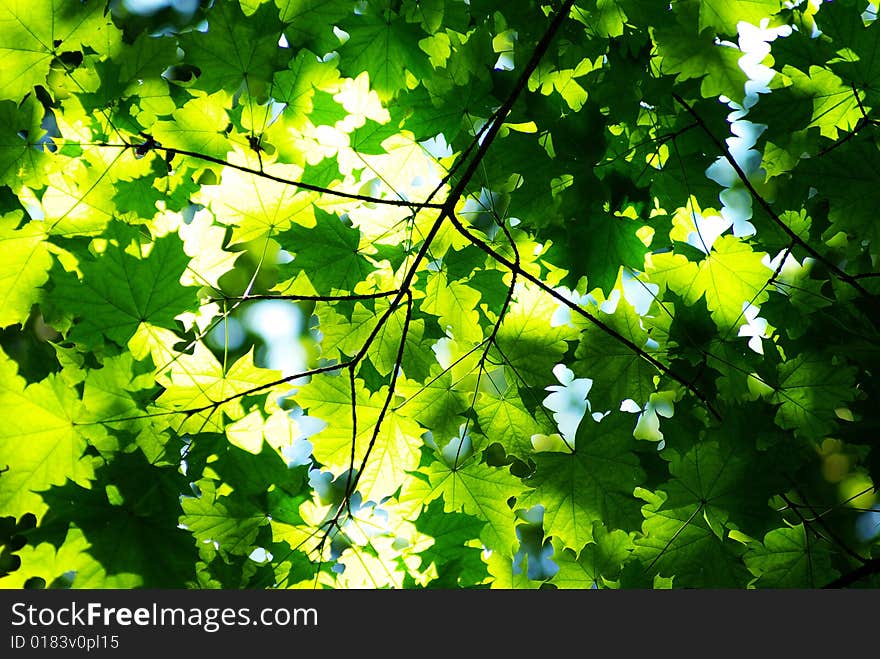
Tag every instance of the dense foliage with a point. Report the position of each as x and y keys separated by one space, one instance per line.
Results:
x=589 y=289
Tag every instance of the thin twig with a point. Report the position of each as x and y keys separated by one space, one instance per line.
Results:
x=638 y=350
x=298 y=184
x=840 y=274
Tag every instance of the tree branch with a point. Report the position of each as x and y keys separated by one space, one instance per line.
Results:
x=840 y=274
x=298 y=184
x=638 y=350
x=304 y=298
x=868 y=568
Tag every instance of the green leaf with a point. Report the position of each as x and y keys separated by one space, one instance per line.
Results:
x=504 y=418
x=198 y=125
x=677 y=542
x=724 y=16
x=618 y=373
x=455 y=306
x=440 y=211
x=507 y=576
x=597 y=565
x=731 y=275
x=387 y=48
x=790 y=558
x=32 y=35
x=474 y=489
x=851 y=208
x=594 y=483
x=298 y=85
x=110 y=391
x=233 y=51
x=835 y=107
x=258 y=208
x=213 y=518
x=453 y=552
x=526 y=343
x=124 y=286
x=437 y=404
x=329 y=241
x=309 y=21
x=856 y=39
x=201 y=390
x=708 y=479
x=809 y=391
x=597 y=248
x=395 y=450
x=39 y=441
x=716 y=65
x=24 y=269
x=131 y=525
x=21 y=157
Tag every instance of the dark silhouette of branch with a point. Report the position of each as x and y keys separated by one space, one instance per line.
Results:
x=656 y=141
x=865 y=570
x=861 y=123
x=448 y=207
x=447 y=211
x=218 y=403
x=395 y=372
x=172 y=151
x=865 y=120
x=820 y=520
x=351 y=481
x=508 y=298
x=507 y=106
x=304 y=298
x=758 y=197
x=638 y=350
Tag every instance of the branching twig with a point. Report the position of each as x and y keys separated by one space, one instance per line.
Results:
x=638 y=350
x=172 y=151
x=304 y=298
x=774 y=216
x=820 y=520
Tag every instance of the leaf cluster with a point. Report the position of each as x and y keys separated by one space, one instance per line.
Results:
x=588 y=288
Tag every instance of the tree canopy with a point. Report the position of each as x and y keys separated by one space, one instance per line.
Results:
x=589 y=293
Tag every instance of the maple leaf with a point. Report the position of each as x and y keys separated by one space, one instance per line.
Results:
x=31 y=36
x=452 y=552
x=617 y=372
x=593 y=483
x=25 y=269
x=329 y=239
x=473 y=489
x=809 y=391
x=729 y=276
x=510 y=343
x=119 y=289
x=233 y=51
x=717 y=66
x=788 y=558
x=387 y=49
x=144 y=547
x=202 y=389
x=39 y=442
x=21 y=156
x=596 y=565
